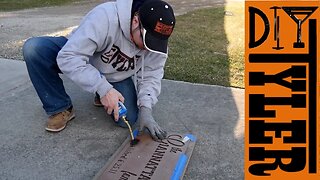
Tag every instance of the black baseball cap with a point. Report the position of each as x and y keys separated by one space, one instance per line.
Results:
x=157 y=19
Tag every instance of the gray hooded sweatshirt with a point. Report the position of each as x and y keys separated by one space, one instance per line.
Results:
x=100 y=51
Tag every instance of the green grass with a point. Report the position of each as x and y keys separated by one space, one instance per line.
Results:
x=205 y=49
x=9 y=5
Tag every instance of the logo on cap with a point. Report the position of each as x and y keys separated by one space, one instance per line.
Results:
x=163 y=28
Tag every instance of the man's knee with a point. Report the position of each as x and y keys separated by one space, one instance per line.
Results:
x=31 y=48
x=132 y=118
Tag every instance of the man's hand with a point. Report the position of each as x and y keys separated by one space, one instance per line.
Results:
x=146 y=120
x=110 y=102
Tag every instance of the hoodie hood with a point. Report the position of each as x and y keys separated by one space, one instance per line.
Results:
x=124 y=15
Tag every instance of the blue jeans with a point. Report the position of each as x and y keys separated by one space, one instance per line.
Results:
x=40 y=55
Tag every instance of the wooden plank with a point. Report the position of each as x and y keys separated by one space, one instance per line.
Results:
x=149 y=159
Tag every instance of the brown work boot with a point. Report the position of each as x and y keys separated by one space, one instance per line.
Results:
x=97 y=101
x=59 y=121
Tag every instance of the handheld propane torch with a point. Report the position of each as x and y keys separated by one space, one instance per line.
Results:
x=122 y=116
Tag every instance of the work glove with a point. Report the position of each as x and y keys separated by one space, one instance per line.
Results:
x=146 y=121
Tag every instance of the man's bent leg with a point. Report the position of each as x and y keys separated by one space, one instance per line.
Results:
x=128 y=91
x=40 y=56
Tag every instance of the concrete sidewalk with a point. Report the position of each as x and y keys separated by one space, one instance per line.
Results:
x=214 y=114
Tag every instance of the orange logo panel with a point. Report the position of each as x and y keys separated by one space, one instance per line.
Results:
x=281 y=60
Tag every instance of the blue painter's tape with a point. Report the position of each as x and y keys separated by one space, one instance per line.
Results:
x=135 y=133
x=178 y=170
x=191 y=137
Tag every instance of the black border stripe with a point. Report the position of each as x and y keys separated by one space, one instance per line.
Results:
x=313 y=96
